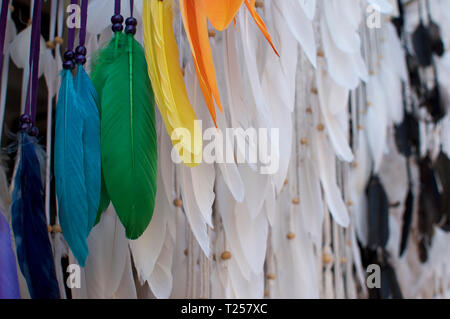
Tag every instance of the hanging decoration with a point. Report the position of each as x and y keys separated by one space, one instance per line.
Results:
x=330 y=153
x=167 y=80
x=128 y=129
x=34 y=251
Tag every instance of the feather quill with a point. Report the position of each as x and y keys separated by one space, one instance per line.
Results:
x=34 y=251
x=167 y=79
x=128 y=132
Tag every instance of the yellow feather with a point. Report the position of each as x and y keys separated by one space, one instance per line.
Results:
x=167 y=80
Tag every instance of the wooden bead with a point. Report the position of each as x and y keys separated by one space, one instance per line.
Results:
x=350 y=203
x=304 y=141
x=271 y=276
x=50 y=44
x=343 y=260
x=314 y=91
x=296 y=201
x=286 y=181
x=309 y=110
x=320 y=53
x=211 y=33
x=327 y=258
x=320 y=127
x=58 y=40
x=49 y=228
x=57 y=229
x=226 y=255
x=185 y=252
x=290 y=236
x=178 y=202
x=259 y=4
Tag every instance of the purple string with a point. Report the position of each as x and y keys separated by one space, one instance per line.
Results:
x=71 y=37
x=117 y=7
x=3 y=16
x=84 y=10
x=131 y=7
x=34 y=61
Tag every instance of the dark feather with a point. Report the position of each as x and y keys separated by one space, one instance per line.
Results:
x=407 y=219
x=34 y=251
x=378 y=205
x=422 y=45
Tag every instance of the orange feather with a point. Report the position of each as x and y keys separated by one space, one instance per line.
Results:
x=221 y=13
x=195 y=23
x=261 y=25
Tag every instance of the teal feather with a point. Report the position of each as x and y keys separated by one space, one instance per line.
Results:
x=88 y=103
x=73 y=208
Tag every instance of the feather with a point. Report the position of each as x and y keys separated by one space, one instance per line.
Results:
x=161 y=279
x=74 y=156
x=407 y=220
x=146 y=249
x=376 y=121
x=344 y=68
x=299 y=26
x=325 y=168
x=378 y=207
x=194 y=216
x=333 y=102
x=221 y=13
x=311 y=203
x=251 y=6
x=34 y=251
x=9 y=282
x=167 y=80
x=253 y=233
x=229 y=171
x=107 y=261
x=88 y=99
x=195 y=23
x=309 y=7
x=128 y=132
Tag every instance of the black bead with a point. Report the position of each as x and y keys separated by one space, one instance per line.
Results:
x=81 y=50
x=117 y=18
x=117 y=27
x=25 y=118
x=68 y=65
x=131 y=21
x=130 y=29
x=34 y=131
x=79 y=58
x=69 y=55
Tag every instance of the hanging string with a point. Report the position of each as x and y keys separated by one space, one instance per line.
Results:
x=28 y=120
x=3 y=16
x=80 y=51
x=69 y=55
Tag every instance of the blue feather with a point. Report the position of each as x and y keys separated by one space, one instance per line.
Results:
x=88 y=100
x=34 y=251
x=70 y=179
x=9 y=283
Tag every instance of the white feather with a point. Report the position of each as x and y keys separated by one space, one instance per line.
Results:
x=299 y=25
x=333 y=101
x=325 y=167
x=108 y=255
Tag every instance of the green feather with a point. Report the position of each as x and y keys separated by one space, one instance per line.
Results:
x=128 y=132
